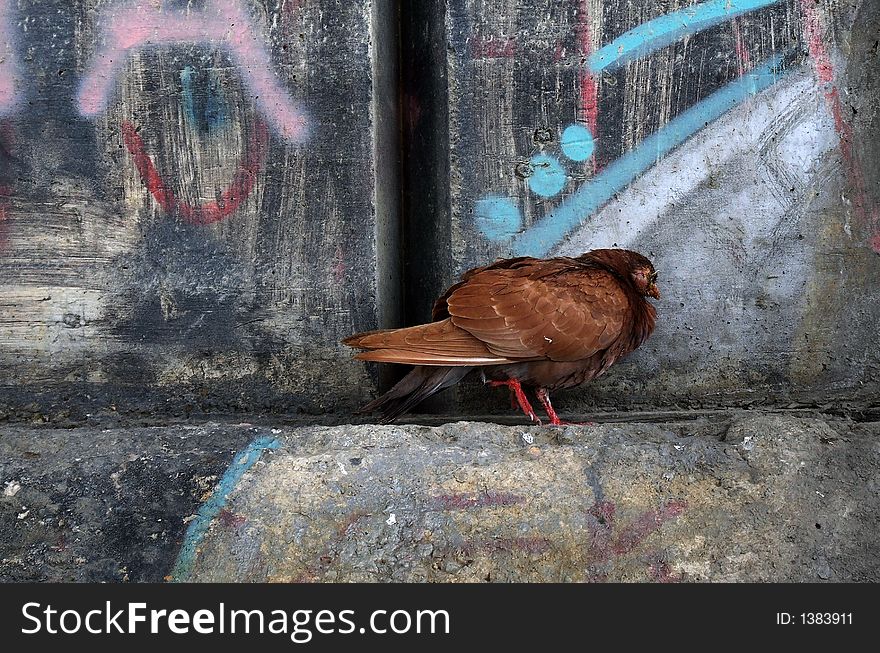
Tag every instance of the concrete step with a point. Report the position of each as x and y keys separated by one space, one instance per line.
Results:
x=763 y=498
x=727 y=497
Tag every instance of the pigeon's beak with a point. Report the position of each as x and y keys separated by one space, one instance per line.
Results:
x=653 y=291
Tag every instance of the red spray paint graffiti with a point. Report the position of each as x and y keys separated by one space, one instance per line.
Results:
x=742 y=50
x=864 y=211
x=230 y=199
x=589 y=100
x=493 y=48
x=606 y=545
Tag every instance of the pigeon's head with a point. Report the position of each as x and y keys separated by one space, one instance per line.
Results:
x=630 y=265
x=645 y=280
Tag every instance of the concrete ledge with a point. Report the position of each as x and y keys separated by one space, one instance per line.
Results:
x=752 y=498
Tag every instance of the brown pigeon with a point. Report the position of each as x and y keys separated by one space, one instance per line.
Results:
x=545 y=324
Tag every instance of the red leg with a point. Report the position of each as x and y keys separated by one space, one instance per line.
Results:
x=544 y=398
x=522 y=400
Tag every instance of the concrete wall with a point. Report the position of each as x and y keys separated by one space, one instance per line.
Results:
x=189 y=221
x=728 y=141
x=193 y=203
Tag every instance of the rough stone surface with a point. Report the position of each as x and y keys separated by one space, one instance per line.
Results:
x=744 y=498
x=104 y=505
x=723 y=497
x=727 y=497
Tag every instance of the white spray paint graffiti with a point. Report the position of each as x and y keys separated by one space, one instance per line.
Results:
x=745 y=130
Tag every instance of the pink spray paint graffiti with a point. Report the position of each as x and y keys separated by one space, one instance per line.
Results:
x=221 y=24
x=867 y=214
x=608 y=541
x=8 y=64
x=743 y=58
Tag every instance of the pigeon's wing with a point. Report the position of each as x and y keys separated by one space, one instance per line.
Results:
x=441 y=311
x=437 y=343
x=555 y=309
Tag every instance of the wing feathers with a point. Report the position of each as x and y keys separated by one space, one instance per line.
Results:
x=556 y=309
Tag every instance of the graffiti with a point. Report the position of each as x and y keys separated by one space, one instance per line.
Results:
x=221 y=24
x=661 y=572
x=230 y=519
x=608 y=543
x=206 y=114
x=589 y=100
x=790 y=165
x=668 y=29
x=824 y=71
x=216 y=504
x=8 y=64
x=230 y=199
x=493 y=48
x=500 y=219
x=743 y=58
x=541 y=237
x=486 y=522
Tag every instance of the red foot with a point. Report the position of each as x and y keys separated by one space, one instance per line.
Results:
x=522 y=400
x=544 y=398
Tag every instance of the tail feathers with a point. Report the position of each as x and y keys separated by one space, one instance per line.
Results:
x=439 y=343
x=415 y=387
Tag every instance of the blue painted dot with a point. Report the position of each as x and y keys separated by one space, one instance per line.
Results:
x=498 y=217
x=577 y=143
x=548 y=176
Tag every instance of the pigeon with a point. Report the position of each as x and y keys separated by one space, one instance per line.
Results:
x=522 y=323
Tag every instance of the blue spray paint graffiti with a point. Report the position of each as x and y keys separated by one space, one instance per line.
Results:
x=206 y=112
x=499 y=218
x=541 y=237
x=547 y=175
x=212 y=507
x=668 y=29
x=577 y=143
x=555 y=226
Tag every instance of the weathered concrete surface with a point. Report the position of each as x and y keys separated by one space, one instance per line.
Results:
x=737 y=498
x=101 y=505
x=189 y=220
x=762 y=219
